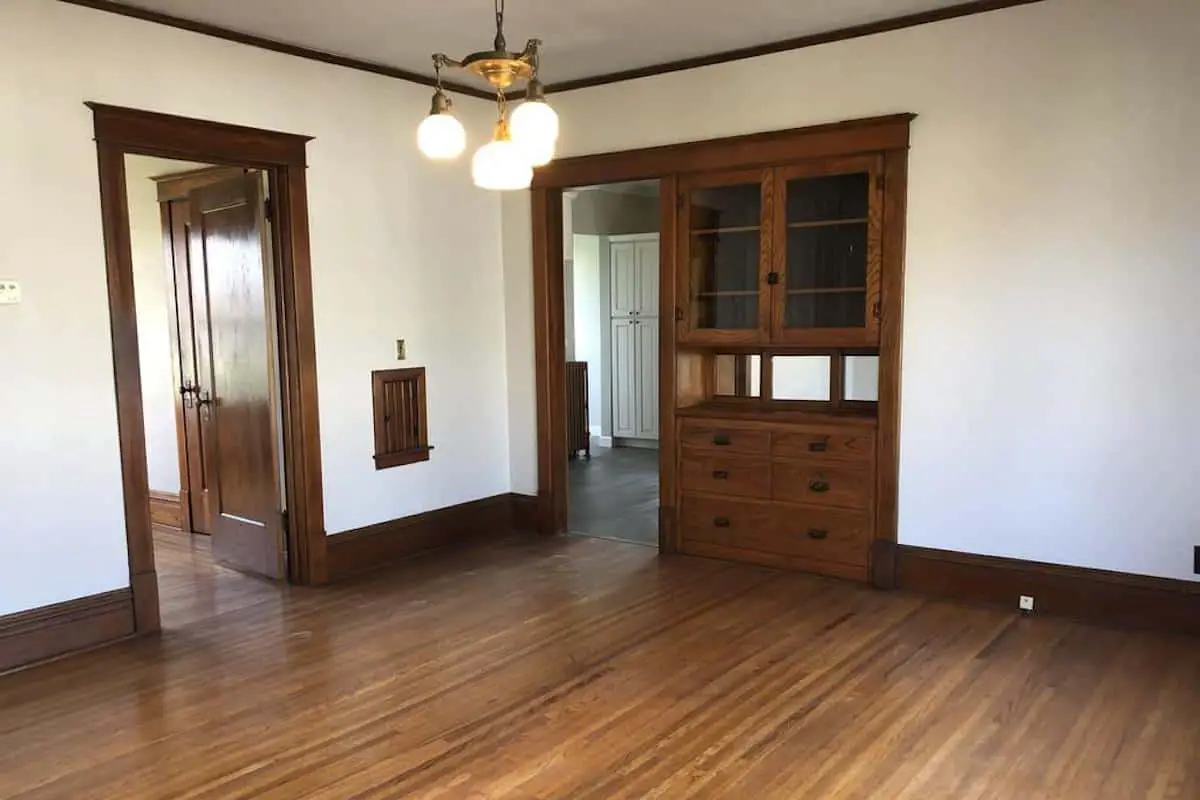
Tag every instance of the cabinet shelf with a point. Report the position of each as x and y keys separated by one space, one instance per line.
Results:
x=828 y=223
x=734 y=229
x=829 y=290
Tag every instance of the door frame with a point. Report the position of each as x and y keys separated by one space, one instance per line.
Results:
x=125 y=131
x=667 y=164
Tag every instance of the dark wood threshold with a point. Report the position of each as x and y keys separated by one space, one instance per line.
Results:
x=366 y=549
x=30 y=637
x=1113 y=599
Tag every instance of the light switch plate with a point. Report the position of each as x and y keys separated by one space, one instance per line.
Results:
x=399 y=349
x=10 y=292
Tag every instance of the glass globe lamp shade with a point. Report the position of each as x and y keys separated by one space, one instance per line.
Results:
x=441 y=136
x=501 y=165
x=534 y=128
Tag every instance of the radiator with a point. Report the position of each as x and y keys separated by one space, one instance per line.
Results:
x=579 y=439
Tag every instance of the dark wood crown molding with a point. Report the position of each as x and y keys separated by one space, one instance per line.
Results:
x=796 y=43
x=228 y=35
x=841 y=34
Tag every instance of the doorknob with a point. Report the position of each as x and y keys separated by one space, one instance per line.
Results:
x=203 y=400
x=187 y=391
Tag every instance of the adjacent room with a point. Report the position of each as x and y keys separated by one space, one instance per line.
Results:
x=611 y=270
x=504 y=399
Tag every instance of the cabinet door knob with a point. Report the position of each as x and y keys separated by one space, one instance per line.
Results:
x=817 y=533
x=721 y=439
x=818 y=485
x=818 y=446
x=721 y=522
x=721 y=475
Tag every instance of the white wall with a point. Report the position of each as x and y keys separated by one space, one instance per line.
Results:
x=401 y=248
x=152 y=294
x=591 y=322
x=1051 y=268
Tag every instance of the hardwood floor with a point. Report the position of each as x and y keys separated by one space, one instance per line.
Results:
x=614 y=495
x=192 y=588
x=583 y=668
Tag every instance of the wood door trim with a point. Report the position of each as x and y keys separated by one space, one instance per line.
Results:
x=119 y=131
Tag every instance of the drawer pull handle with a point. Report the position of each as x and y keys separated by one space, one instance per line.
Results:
x=721 y=522
x=817 y=533
x=720 y=474
x=721 y=439
x=818 y=485
x=818 y=447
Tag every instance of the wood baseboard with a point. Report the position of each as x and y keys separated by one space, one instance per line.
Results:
x=165 y=509
x=43 y=633
x=1106 y=598
x=365 y=549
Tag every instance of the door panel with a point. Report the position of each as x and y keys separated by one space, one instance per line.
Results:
x=624 y=378
x=233 y=347
x=645 y=335
x=647 y=277
x=623 y=258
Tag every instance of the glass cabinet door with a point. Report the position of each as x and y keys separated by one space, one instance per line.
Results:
x=827 y=252
x=725 y=243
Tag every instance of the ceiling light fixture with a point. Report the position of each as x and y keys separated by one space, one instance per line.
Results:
x=520 y=143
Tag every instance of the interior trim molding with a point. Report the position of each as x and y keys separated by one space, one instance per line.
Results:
x=166 y=509
x=1096 y=596
x=30 y=637
x=216 y=31
x=369 y=548
x=795 y=43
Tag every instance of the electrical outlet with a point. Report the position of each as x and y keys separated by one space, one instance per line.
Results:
x=1026 y=603
x=399 y=349
x=10 y=292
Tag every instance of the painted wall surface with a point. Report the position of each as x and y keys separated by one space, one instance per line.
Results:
x=152 y=296
x=607 y=212
x=1048 y=400
x=401 y=248
x=590 y=317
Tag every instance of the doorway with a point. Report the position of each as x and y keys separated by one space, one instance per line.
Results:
x=263 y=430
x=200 y=240
x=611 y=256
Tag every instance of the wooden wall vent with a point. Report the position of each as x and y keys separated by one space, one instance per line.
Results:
x=401 y=432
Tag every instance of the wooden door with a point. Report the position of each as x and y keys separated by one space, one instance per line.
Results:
x=624 y=278
x=624 y=378
x=724 y=257
x=645 y=345
x=194 y=496
x=828 y=252
x=235 y=360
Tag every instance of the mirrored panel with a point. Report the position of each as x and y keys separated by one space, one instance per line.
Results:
x=861 y=380
x=737 y=375
x=801 y=378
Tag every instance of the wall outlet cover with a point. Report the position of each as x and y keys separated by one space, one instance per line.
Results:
x=1026 y=603
x=399 y=349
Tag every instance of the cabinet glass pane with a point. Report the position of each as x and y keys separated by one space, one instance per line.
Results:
x=737 y=375
x=826 y=268
x=725 y=246
x=801 y=378
x=861 y=379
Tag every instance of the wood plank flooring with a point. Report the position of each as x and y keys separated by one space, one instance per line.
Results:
x=584 y=669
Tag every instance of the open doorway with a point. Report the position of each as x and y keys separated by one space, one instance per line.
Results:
x=611 y=254
x=202 y=260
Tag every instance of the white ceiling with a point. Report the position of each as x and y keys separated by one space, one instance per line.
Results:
x=582 y=38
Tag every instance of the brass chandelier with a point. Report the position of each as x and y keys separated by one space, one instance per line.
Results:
x=520 y=141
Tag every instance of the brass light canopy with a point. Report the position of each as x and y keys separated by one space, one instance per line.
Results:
x=534 y=124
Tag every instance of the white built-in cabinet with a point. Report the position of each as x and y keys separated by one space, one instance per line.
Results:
x=634 y=321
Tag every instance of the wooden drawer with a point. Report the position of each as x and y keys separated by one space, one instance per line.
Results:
x=700 y=434
x=825 y=444
x=725 y=473
x=823 y=483
x=819 y=534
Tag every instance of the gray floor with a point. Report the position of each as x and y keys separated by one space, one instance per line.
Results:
x=615 y=495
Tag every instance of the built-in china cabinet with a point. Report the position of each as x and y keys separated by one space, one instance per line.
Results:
x=780 y=277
